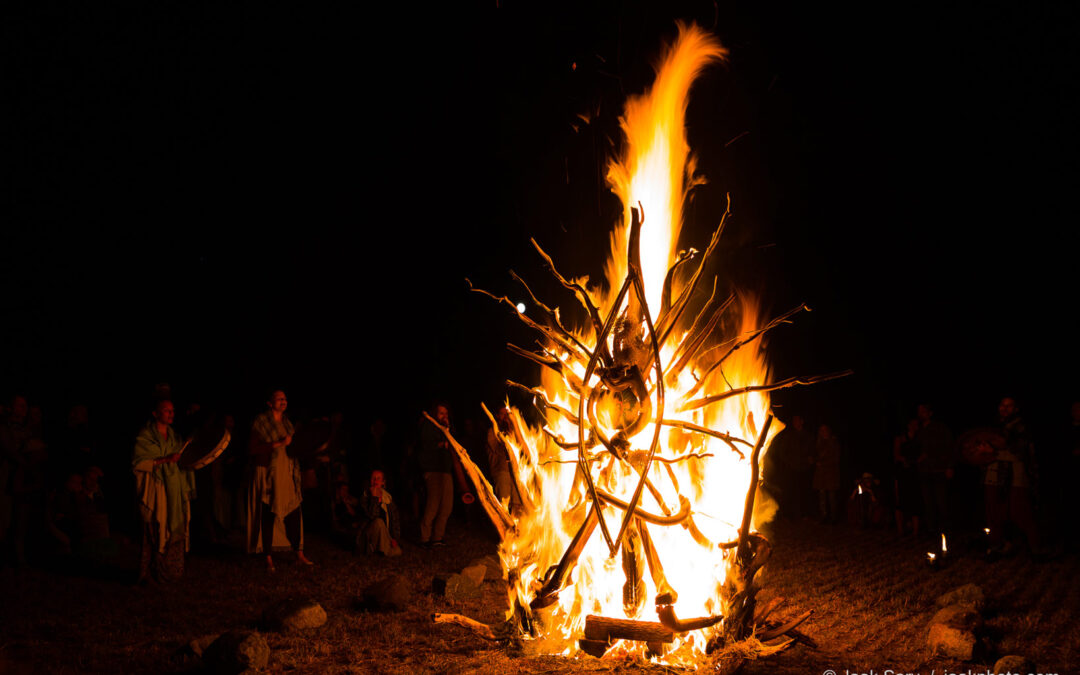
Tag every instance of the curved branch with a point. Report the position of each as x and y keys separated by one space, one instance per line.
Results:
x=783 y=384
x=753 y=335
x=683 y=514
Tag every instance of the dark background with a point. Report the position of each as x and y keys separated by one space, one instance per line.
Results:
x=291 y=195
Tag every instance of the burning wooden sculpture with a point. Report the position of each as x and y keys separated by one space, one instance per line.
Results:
x=650 y=436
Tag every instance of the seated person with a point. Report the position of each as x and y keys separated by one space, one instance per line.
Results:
x=381 y=526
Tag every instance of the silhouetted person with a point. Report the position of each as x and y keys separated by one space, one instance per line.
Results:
x=906 y=489
x=499 y=461
x=827 y=474
x=790 y=462
x=1008 y=481
x=438 y=466
x=381 y=530
x=937 y=457
x=276 y=492
x=164 y=491
x=23 y=470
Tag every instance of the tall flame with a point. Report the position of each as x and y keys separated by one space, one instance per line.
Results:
x=655 y=170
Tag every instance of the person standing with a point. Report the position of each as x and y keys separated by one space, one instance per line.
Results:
x=936 y=461
x=827 y=474
x=437 y=465
x=165 y=492
x=275 y=489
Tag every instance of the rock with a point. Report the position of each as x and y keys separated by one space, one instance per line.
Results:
x=1013 y=664
x=961 y=617
x=460 y=587
x=294 y=615
x=475 y=573
x=392 y=594
x=199 y=644
x=237 y=651
x=951 y=642
x=494 y=567
x=968 y=594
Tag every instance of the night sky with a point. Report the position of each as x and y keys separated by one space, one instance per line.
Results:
x=292 y=195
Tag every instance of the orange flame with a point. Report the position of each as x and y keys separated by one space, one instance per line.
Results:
x=656 y=170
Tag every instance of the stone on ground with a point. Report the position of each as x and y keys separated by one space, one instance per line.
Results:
x=475 y=573
x=961 y=617
x=392 y=594
x=951 y=642
x=1014 y=664
x=294 y=615
x=237 y=651
x=491 y=562
x=968 y=594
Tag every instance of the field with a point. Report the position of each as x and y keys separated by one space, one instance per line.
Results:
x=871 y=592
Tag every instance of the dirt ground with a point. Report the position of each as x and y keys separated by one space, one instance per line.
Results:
x=871 y=592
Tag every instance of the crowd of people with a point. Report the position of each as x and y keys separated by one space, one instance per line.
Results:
x=198 y=475
x=194 y=474
x=994 y=482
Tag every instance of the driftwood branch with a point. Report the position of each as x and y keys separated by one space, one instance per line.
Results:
x=727 y=438
x=688 y=348
x=552 y=314
x=784 y=628
x=683 y=514
x=753 y=335
x=556 y=576
x=783 y=384
x=748 y=510
x=666 y=322
x=481 y=629
x=639 y=290
x=542 y=396
x=492 y=506
x=556 y=336
x=669 y=279
x=548 y=361
x=609 y=629
x=583 y=296
x=524 y=495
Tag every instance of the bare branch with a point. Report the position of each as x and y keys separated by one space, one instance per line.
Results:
x=753 y=335
x=783 y=384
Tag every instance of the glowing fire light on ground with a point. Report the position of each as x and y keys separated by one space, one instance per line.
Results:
x=639 y=491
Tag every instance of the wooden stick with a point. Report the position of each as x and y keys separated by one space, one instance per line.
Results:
x=526 y=497
x=586 y=301
x=492 y=506
x=727 y=438
x=688 y=348
x=556 y=576
x=666 y=322
x=542 y=395
x=639 y=289
x=552 y=314
x=683 y=514
x=751 y=492
x=781 y=629
x=546 y=360
x=669 y=279
x=753 y=335
x=550 y=334
x=582 y=464
x=481 y=629
x=783 y=384
x=608 y=629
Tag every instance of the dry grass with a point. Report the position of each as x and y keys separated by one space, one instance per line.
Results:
x=871 y=593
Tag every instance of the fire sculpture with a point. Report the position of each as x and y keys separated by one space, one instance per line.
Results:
x=643 y=483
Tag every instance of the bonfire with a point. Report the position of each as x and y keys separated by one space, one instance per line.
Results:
x=638 y=529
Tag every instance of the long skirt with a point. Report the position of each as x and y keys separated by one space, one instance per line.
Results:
x=162 y=566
